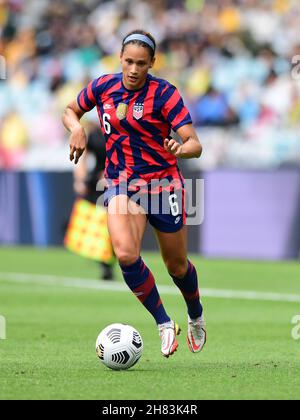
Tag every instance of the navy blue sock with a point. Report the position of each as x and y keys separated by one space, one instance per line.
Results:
x=140 y=280
x=188 y=286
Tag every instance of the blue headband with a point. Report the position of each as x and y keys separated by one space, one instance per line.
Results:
x=139 y=37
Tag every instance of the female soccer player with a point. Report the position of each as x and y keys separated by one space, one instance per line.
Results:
x=137 y=112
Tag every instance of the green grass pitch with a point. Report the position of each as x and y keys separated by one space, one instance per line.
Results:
x=49 y=351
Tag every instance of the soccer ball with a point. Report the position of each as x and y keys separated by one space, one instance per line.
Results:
x=119 y=346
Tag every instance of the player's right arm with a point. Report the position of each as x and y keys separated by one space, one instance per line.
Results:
x=78 y=140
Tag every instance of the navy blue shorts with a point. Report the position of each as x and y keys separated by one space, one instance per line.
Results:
x=165 y=209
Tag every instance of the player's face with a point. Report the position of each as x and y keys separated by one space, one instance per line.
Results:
x=136 y=61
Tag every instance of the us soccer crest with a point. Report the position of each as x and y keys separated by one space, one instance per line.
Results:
x=122 y=111
x=138 y=111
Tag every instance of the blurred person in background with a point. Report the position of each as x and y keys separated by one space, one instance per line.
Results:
x=13 y=140
x=87 y=234
x=213 y=109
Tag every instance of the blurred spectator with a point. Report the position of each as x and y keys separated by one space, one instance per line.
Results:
x=213 y=110
x=13 y=140
x=243 y=48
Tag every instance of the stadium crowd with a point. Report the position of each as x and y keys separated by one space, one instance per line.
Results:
x=231 y=59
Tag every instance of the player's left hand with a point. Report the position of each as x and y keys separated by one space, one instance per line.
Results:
x=173 y=147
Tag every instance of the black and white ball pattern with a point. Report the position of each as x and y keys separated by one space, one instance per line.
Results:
x=119 y=346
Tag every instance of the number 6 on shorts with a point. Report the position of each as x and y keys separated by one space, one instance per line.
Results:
x=174 y=205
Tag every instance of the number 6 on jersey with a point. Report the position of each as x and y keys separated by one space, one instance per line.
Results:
x=106 y=124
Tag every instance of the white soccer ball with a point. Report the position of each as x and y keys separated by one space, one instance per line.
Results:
x=119 y=346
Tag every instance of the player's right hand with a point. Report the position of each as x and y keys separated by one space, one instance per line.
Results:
x=78 y=143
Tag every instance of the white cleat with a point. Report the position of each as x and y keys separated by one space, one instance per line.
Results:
x=196 y=336
x=167 y=333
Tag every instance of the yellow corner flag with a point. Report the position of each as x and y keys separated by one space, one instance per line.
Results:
x=87 y=234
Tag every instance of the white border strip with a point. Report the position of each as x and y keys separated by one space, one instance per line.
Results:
x=80 y=283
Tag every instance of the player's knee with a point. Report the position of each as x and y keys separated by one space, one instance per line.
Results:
x=177 y=268
x=126 y=252
x=126 y=257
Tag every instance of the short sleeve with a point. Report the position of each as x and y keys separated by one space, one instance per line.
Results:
x=173 y=108
x=87 y=97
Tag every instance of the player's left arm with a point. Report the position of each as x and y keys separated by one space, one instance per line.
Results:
x=190 y=147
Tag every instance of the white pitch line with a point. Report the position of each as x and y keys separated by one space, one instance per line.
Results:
x=80 y=283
